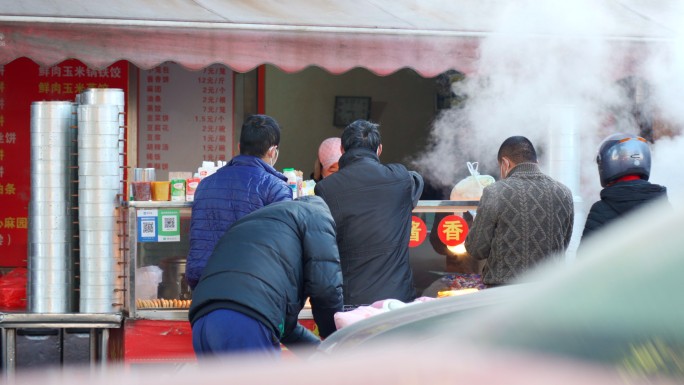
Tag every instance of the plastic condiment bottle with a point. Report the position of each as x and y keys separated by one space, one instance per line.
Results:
x=291 y=180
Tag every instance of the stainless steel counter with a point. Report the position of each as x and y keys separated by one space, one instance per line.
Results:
x=162 y=314
x=98 y=324
x=156 y=204
x=423 y=206
x=445 y=206
x=182 y=315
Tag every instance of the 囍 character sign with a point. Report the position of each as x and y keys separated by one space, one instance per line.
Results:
x=418 y=231
x=452 y=230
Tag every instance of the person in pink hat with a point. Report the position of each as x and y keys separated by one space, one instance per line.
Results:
x=329 y=153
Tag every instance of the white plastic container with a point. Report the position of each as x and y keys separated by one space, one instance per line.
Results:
x=291 y=180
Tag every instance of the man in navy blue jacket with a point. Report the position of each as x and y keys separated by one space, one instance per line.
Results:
x=371 y=203
x=248 y=182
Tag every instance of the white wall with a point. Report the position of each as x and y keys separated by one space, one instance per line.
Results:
x=403 y=103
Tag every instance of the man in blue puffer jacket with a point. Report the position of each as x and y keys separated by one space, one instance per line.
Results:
x=248 y=182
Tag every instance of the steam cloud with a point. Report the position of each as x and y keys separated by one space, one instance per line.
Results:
x=549 y=60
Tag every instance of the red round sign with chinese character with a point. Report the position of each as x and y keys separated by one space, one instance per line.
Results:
x=418 y=231
x=452 y=230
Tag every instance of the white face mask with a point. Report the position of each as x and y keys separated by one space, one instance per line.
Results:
x=274 y=158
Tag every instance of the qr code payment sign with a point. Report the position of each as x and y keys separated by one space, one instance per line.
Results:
x=161 y=225
x=148 y=228
x=169 y=223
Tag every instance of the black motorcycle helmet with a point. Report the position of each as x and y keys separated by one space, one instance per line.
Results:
x=623 y=154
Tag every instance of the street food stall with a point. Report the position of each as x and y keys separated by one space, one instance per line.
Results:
x=53 y=52
x=157 y=297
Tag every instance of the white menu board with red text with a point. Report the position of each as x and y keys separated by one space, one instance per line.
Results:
x=185 y=117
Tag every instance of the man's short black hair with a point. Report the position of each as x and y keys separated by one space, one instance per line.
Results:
x=518 y=149
x=361 y=134
x=258 y=134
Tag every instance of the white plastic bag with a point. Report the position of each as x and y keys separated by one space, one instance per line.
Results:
x=147 y=280
x=470 y=188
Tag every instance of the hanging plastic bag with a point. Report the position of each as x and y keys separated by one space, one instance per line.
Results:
x=470 y=188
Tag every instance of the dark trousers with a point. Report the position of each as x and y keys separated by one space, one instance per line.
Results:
x=226 y=331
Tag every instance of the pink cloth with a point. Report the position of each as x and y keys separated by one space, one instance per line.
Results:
x=346 y=318
x=329 y=152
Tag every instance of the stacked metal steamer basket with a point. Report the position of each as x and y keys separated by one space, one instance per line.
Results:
x=76 y=183
x=52 y=228
x=100 y=175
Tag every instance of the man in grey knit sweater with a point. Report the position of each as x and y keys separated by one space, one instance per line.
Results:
x=523 y=219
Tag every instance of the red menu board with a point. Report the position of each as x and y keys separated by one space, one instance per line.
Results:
x=21 y=83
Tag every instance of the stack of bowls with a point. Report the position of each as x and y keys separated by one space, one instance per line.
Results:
x=99 y=185
x=51 y=243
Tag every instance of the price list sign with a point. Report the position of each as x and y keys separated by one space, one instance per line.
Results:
x=185 y=117
x=23 y=82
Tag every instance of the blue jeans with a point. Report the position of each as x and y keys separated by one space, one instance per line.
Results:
x=226 y=331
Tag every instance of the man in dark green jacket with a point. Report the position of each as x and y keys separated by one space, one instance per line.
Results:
x=259 y=276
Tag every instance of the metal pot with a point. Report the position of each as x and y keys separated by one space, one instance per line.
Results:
x=98 y=113
x=112 y=96
x=174 y=284
x=103 y=141
x=52 y=110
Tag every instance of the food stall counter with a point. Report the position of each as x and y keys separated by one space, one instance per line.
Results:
x=157 y=297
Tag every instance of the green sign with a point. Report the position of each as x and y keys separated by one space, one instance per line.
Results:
x=168 y=223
